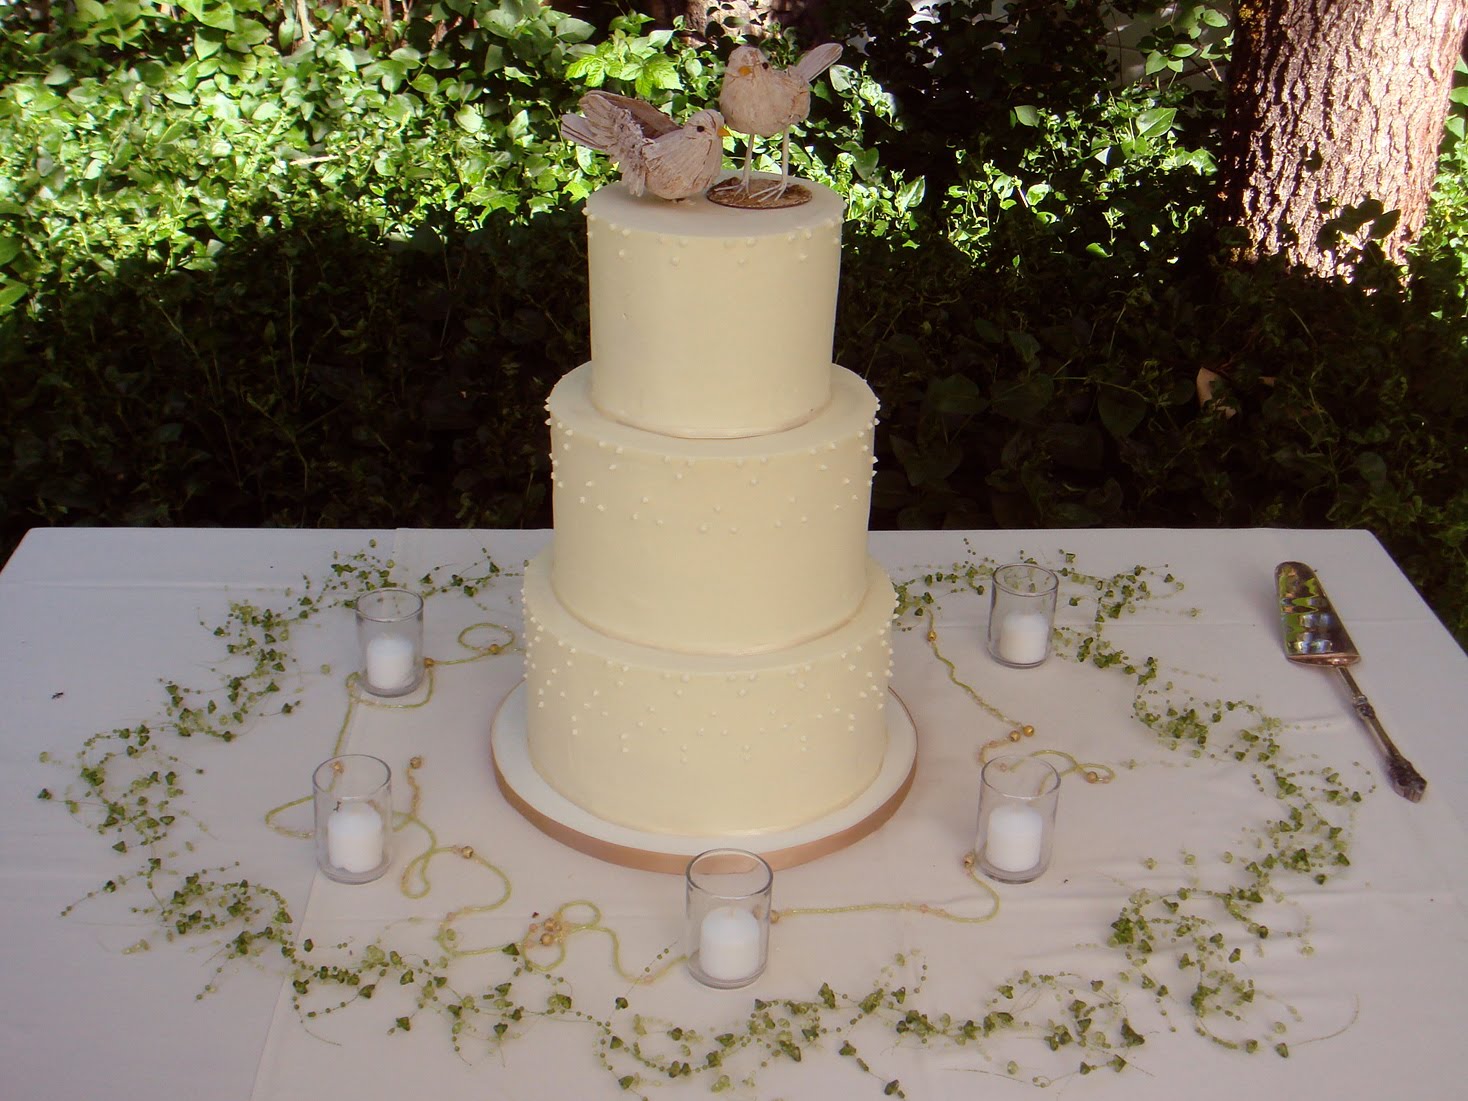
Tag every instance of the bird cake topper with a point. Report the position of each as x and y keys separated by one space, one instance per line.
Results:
x=759 y=100
x=652 y=151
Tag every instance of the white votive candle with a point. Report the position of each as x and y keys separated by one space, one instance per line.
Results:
x=1015 y=838
x=354 y=838
x=1024 y=638
x=729 y=944
x=391 y=663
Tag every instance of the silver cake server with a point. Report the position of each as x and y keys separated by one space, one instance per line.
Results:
x=1315 y=635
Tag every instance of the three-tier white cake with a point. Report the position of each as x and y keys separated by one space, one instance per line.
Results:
x=707 y=639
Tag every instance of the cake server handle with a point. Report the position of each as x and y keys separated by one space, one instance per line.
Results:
x=1405 y=780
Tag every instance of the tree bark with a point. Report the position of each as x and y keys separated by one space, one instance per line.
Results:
x=1333 y=103
x=802 y=16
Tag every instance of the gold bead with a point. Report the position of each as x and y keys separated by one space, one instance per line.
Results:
x=932 y=636
x=495 y=647
x=968 y=861
x=1014 y=735
x=467 y=852
x=1092 y=776
x=1029 y=730
x=415 y=762
x=337 y=766
x=547 y=939
x=774 y=916
x=428 y=661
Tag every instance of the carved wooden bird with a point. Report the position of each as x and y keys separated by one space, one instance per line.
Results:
x=759 y=100
x=653 y=152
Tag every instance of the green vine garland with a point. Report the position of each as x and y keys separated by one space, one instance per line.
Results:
x=1185 y=947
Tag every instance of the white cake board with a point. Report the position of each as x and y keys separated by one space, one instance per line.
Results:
x=558 y=817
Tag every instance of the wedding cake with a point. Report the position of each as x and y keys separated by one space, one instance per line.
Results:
x=707 y=639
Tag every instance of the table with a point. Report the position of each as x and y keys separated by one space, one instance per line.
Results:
x=96 y=625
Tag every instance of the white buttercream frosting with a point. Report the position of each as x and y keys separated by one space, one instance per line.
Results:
x=706 y=744
x=710 y=321
x=707 y=641
x=712 y=546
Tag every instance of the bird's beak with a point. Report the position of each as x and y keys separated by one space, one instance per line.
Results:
x=723 y=131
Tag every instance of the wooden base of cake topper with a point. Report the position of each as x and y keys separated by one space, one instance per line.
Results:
x=556 y=816
x=764 y=193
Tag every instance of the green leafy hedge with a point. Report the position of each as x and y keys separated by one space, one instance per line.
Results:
x=254 y=271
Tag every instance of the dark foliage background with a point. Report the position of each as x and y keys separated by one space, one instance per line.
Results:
x=255 y=276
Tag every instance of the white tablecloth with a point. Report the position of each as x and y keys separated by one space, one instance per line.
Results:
x=102 y=1003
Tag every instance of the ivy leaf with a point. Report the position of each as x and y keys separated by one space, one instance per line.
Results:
x=955 y=394
x=623 y=68
x=220 y=16
x=1385 y=224
x=572 y=29
x=1156 y=121
x=469 y=119
x=590 y=68
x=1024 y=399
x=926 y=465
x=1024 y=344
x=11 y=293
x=248 y=35
x=1078 y=446
x=153 y=74
x=1120 y=415
x=865 y=162
x=911 y=193
x=501 y=22
x=494 y=60
x=1069 y=514
x=1027 y=115
x=1374 y=470
x=658 y=72
x=398 y=109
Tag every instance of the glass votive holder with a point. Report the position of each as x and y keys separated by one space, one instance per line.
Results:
x=1021 y=614
x=1017 y=800
x=353 y=806
x=728 y=908
x=390 y=636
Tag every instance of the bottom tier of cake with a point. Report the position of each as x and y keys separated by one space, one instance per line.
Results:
x=701 y=744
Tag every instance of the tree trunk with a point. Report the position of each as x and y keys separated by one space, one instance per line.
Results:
x=802 y=16
x=1332 y=104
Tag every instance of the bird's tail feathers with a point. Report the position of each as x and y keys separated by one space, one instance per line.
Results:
x=817 y=60
x=613 y=126
x=579 y=130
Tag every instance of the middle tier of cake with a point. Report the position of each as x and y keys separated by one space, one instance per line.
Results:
x=712 y=546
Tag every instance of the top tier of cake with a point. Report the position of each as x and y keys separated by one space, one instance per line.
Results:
x=683 y=344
